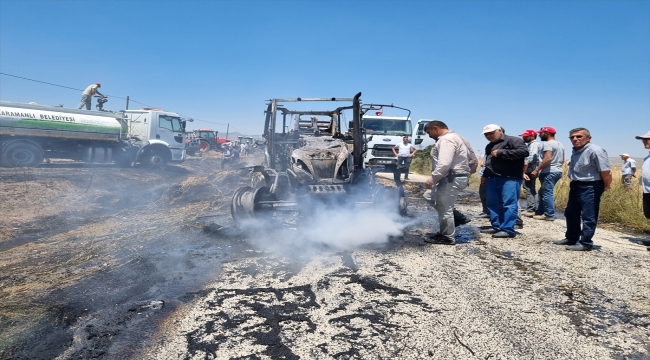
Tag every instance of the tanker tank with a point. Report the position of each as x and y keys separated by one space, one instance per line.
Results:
x=48 y=121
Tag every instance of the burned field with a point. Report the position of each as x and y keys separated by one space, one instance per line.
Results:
x=129 y=264
x=91 y=258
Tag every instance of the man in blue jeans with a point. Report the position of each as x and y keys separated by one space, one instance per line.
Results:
x=590 y=176
x=503 y=174
x=549 y=172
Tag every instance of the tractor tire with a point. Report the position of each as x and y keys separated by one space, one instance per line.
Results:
x=204 y=146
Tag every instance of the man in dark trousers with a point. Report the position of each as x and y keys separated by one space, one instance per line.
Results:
x=504 y=173
x=590 y=176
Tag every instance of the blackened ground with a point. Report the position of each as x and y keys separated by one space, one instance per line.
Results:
x=93 y=257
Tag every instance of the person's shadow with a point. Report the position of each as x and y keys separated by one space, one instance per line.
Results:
x=638 y=240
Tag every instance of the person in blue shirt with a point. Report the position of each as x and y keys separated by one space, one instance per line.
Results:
x=590 y=176
x=227 y=157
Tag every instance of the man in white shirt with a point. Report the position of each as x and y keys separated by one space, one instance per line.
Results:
x=404 y=153
x=628 y=170
x=645 y=180
x=87 y=95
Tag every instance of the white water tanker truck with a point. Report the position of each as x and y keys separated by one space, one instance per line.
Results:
x=29 y=133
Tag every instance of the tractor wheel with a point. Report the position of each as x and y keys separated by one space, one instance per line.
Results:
x=204 y=146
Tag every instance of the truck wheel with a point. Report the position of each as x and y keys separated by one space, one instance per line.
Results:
x=153 y=159
x=22 y=154
x=204 y=146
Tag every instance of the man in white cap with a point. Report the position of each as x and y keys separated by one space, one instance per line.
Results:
x=645 y=180
x=87 y=95
x=504 y=173
x=628 y=170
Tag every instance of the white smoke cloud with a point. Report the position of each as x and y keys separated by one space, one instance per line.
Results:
x=324 y=228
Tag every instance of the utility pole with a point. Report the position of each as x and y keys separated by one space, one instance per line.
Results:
x=127 y=102
x=227 y=129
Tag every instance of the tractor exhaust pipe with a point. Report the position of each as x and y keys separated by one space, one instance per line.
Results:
x=356 y=132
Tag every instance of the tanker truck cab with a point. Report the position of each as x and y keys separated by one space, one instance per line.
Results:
x=161 y=133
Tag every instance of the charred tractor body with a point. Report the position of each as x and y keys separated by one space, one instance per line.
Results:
x=310 y=160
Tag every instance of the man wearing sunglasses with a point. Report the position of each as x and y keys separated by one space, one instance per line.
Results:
x=504 y=173
x=590 y=176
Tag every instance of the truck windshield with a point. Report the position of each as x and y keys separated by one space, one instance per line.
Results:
x=387 y=127
x=170 y=122
x=206 y=134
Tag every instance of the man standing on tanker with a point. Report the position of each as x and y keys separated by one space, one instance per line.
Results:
x=87 y=95
x=452 y=162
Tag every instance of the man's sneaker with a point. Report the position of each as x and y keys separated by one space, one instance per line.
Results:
x=543 y=217
x=563 y=242
x=519 y=226
x=528 y=213
x=483 y=215
x=462 y=221
x=578 y=247
x=489 y=231
x=503 y=234
x=645 y=243
x=406 y=178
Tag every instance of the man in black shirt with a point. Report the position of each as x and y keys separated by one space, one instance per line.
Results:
x=503 y=174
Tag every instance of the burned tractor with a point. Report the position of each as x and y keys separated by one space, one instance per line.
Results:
x=312 y=163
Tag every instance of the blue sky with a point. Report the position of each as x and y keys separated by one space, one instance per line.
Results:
x=519 y=64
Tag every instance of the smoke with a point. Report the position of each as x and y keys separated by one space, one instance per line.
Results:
x=324 y=228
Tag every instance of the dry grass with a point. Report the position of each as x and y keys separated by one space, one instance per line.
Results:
x=618 y=205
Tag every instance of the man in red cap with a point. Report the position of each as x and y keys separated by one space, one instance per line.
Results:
x=531 y=163
x=549 y=172
x=87 y=95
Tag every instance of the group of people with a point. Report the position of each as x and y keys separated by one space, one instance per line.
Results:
x=511 y=162
x=231 y=154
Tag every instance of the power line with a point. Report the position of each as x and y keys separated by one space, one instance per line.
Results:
x=67 y=87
